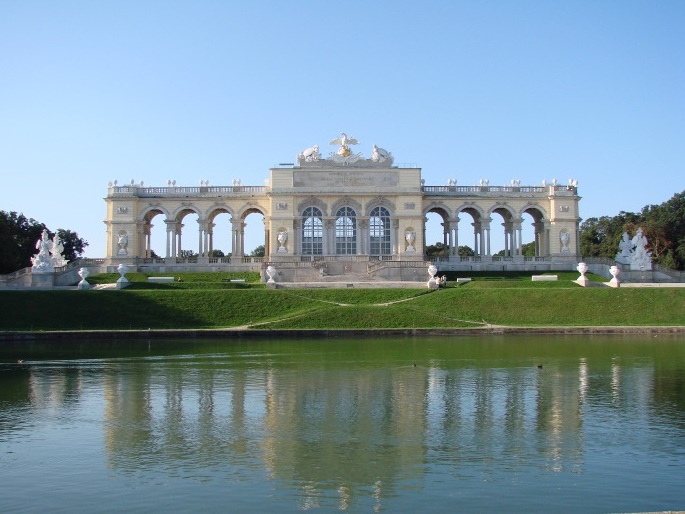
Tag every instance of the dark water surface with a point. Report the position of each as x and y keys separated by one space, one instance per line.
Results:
x=449 y=424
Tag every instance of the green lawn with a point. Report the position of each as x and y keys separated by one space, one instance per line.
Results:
x=194 y=303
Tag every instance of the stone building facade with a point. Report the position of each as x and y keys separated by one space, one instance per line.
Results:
x=346 y=209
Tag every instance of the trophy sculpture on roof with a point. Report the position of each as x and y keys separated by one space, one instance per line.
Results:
x=344 y=155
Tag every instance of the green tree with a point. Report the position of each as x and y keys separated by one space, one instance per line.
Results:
x=465 y=251
x=528 y=249
x=74 y=246
x=258 y=252
x=436 y=250
x=18 y=237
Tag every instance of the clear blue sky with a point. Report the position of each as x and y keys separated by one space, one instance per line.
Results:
x=92 y=91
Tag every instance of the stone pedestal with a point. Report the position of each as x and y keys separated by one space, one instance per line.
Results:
x=42 y=279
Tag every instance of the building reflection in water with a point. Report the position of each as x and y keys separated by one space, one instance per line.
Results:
x=341 y=432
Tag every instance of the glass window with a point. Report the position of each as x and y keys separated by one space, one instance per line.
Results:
x=312 y=231
x=346 y=231
x=379 y=231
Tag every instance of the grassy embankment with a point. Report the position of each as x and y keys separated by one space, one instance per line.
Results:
x=209 y=300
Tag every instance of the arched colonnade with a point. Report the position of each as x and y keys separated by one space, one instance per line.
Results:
x=180 y=236
x=483 y=222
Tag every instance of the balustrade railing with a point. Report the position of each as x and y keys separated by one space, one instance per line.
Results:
x=470 y=190
x=184 y=191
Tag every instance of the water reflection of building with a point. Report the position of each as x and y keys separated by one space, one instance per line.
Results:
x=346 y=434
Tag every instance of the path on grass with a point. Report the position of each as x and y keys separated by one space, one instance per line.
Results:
x=482 y=323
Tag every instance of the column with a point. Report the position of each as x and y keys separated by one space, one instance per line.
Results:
x=455 y=250
x=395 y=225
x=519 y=237
x=170 y=238
x=476 y=238
x=179 y=233
x=486 y=235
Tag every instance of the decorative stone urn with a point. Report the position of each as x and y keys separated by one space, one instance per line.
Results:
x=282 y=239
x=83 y=273
x=122 y=281
x=432 y=271
x=410 y=237
x=614 y=282
x=582 y=269
x=271 y=272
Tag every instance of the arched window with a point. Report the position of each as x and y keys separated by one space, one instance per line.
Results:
x=379 y=231
x=312 y=232
x=346 y=231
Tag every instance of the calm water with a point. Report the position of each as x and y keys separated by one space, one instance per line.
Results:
x=388 y=425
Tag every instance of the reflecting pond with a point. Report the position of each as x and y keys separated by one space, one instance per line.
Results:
x=424 y=424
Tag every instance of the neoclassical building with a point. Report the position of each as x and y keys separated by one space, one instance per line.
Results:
x=342 y=214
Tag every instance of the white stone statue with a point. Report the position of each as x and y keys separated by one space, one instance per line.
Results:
x=42 y=262
x=381 y=155
x=311 y=154
x=282 y=239
x=625 y=247
x=641 y=258
x=83 y=273
x=56 y=250
x=410 y=237
x=564 y=238
x=122 y=243
x=271 y=272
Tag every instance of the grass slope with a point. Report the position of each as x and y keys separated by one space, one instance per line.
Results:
x=513 y=303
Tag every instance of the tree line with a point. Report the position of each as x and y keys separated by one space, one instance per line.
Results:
x=663 y=225
x=18 y=238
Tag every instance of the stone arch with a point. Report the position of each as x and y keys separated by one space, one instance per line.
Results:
x=443 y=233
x=480 y=229
x=248 y=209
x=151 y=211
x=540 y=227
x=510 y=229
x=179 y=245
x=146 y=238
x=346 y=201
x=239 y=228
x=440 y=208
x=312 y=201
x=380 y=201
x=216 y=209
x=219 y=230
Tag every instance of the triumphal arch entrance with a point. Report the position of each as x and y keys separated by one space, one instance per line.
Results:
x=343 y=214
